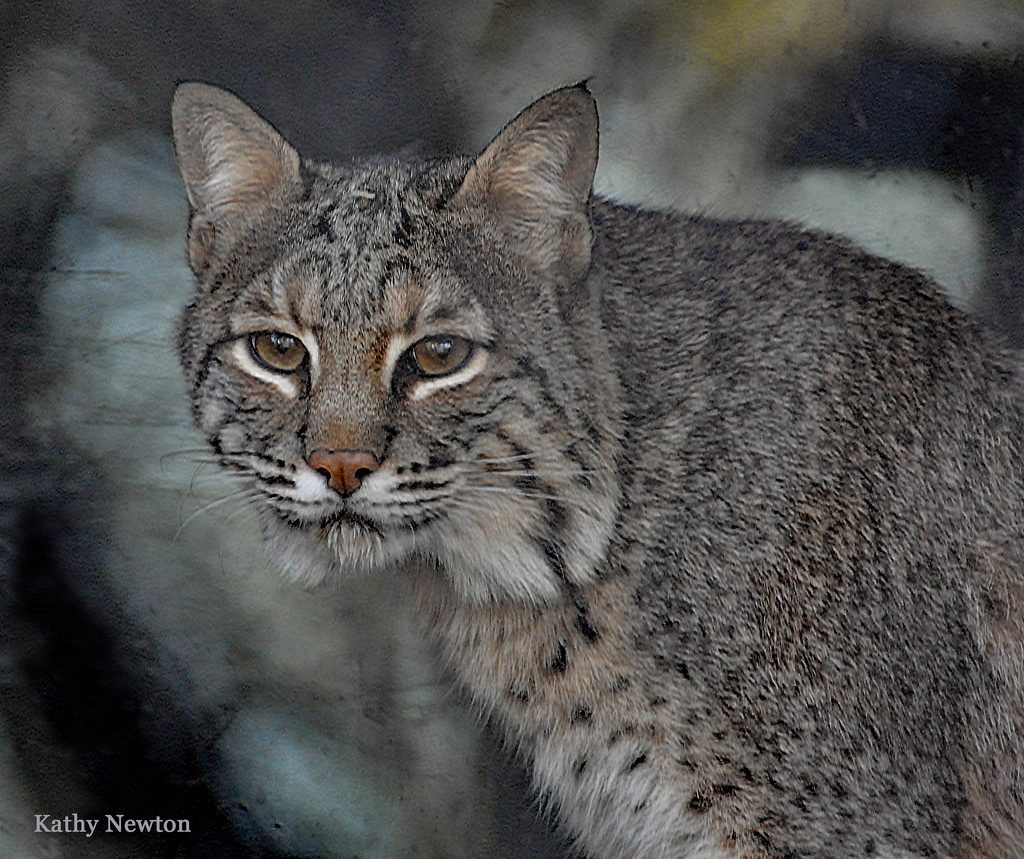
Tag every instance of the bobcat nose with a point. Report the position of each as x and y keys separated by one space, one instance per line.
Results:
x=344 y=469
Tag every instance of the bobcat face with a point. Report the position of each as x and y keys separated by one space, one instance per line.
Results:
x=378 y=358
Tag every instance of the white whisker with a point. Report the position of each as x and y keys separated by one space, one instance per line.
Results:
x=521 y=493
x=185 y=451
x=217 y=502
x=541 y=474
x=241 y=509
x=533 y=453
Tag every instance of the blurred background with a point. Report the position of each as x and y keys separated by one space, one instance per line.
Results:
x=151 y=662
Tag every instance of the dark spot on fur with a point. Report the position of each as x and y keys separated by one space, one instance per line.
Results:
x=683 y=669
x=619 y=684
x=543 y=386
x=700 y=802
x=561 y=660
x=394 y=267
x=658 y=701
x=557 y=515
x=725 y=789
x=324 y=228
x=581 y=765
x=276 y=480
x=424 y=484
x=591 y=429
x=582 y=713
x=639 y=761
x=444 y=314
x=437 y=461
x=403 y=232
x=553 y=555
x=389 y=434
x=518 y=694
x=584 y=625
x=465 y=415
x=640 y=806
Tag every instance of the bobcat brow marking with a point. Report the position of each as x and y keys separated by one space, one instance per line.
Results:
x=396 y=348
x=309 y=340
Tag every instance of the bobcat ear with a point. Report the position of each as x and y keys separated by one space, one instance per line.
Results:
x=536 y=178
x=234 y=164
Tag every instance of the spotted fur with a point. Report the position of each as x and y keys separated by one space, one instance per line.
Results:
x=721 y=521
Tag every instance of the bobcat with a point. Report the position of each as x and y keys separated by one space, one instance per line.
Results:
x=720 y=521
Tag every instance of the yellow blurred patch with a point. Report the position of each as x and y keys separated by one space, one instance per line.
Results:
x=732 y=34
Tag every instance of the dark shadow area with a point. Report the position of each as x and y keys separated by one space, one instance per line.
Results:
x=101 y=719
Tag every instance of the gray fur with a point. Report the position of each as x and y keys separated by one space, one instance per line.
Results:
x=726 y=532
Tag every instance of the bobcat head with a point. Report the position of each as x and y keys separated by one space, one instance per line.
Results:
x=403 y=358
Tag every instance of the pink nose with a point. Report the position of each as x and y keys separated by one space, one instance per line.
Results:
x=344 y=469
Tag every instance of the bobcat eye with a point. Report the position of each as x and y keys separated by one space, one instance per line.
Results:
x=278 y=351
x=438 y=356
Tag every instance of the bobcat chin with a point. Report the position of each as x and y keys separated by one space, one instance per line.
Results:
x=723 y=522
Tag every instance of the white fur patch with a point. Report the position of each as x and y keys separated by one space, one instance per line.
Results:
x=376 y=488
x=286 y=384
x=619 y=813
x=396 y=348
x=360 y=550
x=490 y=559
x=426 y=387
x=311 y=486
x=299 y=554
x=313 y=348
